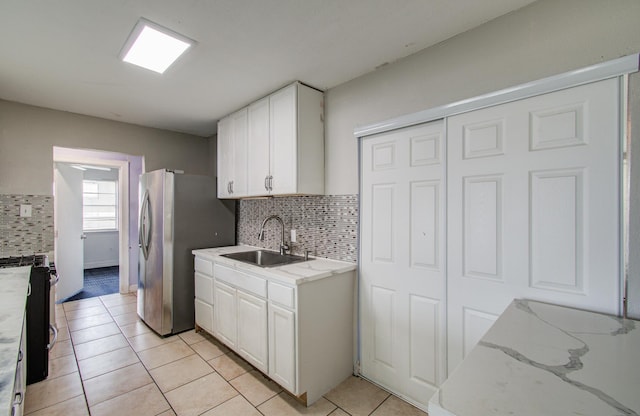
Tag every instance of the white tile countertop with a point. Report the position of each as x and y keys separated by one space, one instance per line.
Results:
x=294 y=274
x=14 y=283
x=542 y=359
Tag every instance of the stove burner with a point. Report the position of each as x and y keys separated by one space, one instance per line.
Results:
x=35 y=260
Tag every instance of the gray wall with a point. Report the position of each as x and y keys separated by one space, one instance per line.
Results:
x=28 y=134
x=546 y=38
x=101 y=250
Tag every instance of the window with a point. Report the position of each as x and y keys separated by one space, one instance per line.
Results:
x=100 y=205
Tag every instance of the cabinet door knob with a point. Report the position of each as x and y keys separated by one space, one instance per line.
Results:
x=266 y=182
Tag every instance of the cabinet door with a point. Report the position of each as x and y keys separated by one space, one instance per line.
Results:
x=283 y=143
x=204 y=288
x=204 y=315
x=225 y=157
x=252 y=329
x=282 y=347
x=239 y=164
x=258 y=148
x=224 y=316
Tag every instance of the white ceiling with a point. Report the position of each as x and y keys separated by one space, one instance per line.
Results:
x=64 y=54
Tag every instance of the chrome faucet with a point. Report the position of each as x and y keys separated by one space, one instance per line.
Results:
x=283 y=246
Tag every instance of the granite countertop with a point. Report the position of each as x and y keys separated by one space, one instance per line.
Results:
x=542 y=359
x=14 y=283
x=294 y=274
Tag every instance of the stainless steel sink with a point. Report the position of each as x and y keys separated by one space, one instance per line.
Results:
x=264 y=258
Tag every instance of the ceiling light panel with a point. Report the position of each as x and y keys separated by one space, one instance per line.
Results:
x=154 y=47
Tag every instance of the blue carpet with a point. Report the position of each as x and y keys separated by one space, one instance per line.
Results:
x=98 y=282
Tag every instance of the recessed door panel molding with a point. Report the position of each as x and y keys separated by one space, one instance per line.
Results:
x=382 y=223
x=424 y=227
x=383 y=156
x=425 y=150
x=424 y=340
x=559 y=127
x=484 y=139
x=557 y=230
x=383 y=333
x=483 y=227
x=475 y=324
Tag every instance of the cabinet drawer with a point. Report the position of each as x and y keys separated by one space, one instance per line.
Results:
x=204 y=315
x=203 y=266
x=247 y=282
x=284 y=295
x=204 y=287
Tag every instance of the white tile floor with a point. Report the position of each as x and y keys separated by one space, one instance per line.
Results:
x=107 y=362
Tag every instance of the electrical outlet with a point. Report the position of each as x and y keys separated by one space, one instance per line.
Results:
x=25 y=210
x=294 y=236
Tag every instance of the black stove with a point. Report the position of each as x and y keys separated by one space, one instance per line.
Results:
x=42 y=276
x=35 y=260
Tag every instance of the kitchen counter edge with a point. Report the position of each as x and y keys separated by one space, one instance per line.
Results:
x=14 y=285
x=296 y=274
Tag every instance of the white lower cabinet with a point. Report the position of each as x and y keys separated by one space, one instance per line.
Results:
x=301 y=336
x=241 y=323
x=204 y=315
x=225 y=322
x=282 y=346
x=204 y=293
x=252 y=329
x=204 y=300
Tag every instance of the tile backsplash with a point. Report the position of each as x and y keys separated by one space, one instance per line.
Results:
x=327 y=225
x=25 y=235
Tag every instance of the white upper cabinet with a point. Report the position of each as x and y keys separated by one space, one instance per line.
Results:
x=284 y=148
x=232 y=160
x=284 y=144
x=258 y=147
x=225 y=157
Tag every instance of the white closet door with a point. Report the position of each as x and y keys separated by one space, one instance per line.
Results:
x=402 y=267
x=533 y=208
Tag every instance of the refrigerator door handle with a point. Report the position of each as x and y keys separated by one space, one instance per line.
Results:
x=55 y=336
x=144 y=232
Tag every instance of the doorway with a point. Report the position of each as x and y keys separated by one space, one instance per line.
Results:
x=100 y=244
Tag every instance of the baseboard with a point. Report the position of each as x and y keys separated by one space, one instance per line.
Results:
x=98 y=264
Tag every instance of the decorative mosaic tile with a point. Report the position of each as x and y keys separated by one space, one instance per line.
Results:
x=327 y=225
x=25 y=235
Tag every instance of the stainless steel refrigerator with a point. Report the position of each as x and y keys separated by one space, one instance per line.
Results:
x=178 y=213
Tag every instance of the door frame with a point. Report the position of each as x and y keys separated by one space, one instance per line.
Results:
x=123 y=208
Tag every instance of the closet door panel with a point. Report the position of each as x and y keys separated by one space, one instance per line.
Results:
x=533 y=208
x=402 y=285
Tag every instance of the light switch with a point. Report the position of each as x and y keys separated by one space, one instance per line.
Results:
x=294 y=236
x=25 y=210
